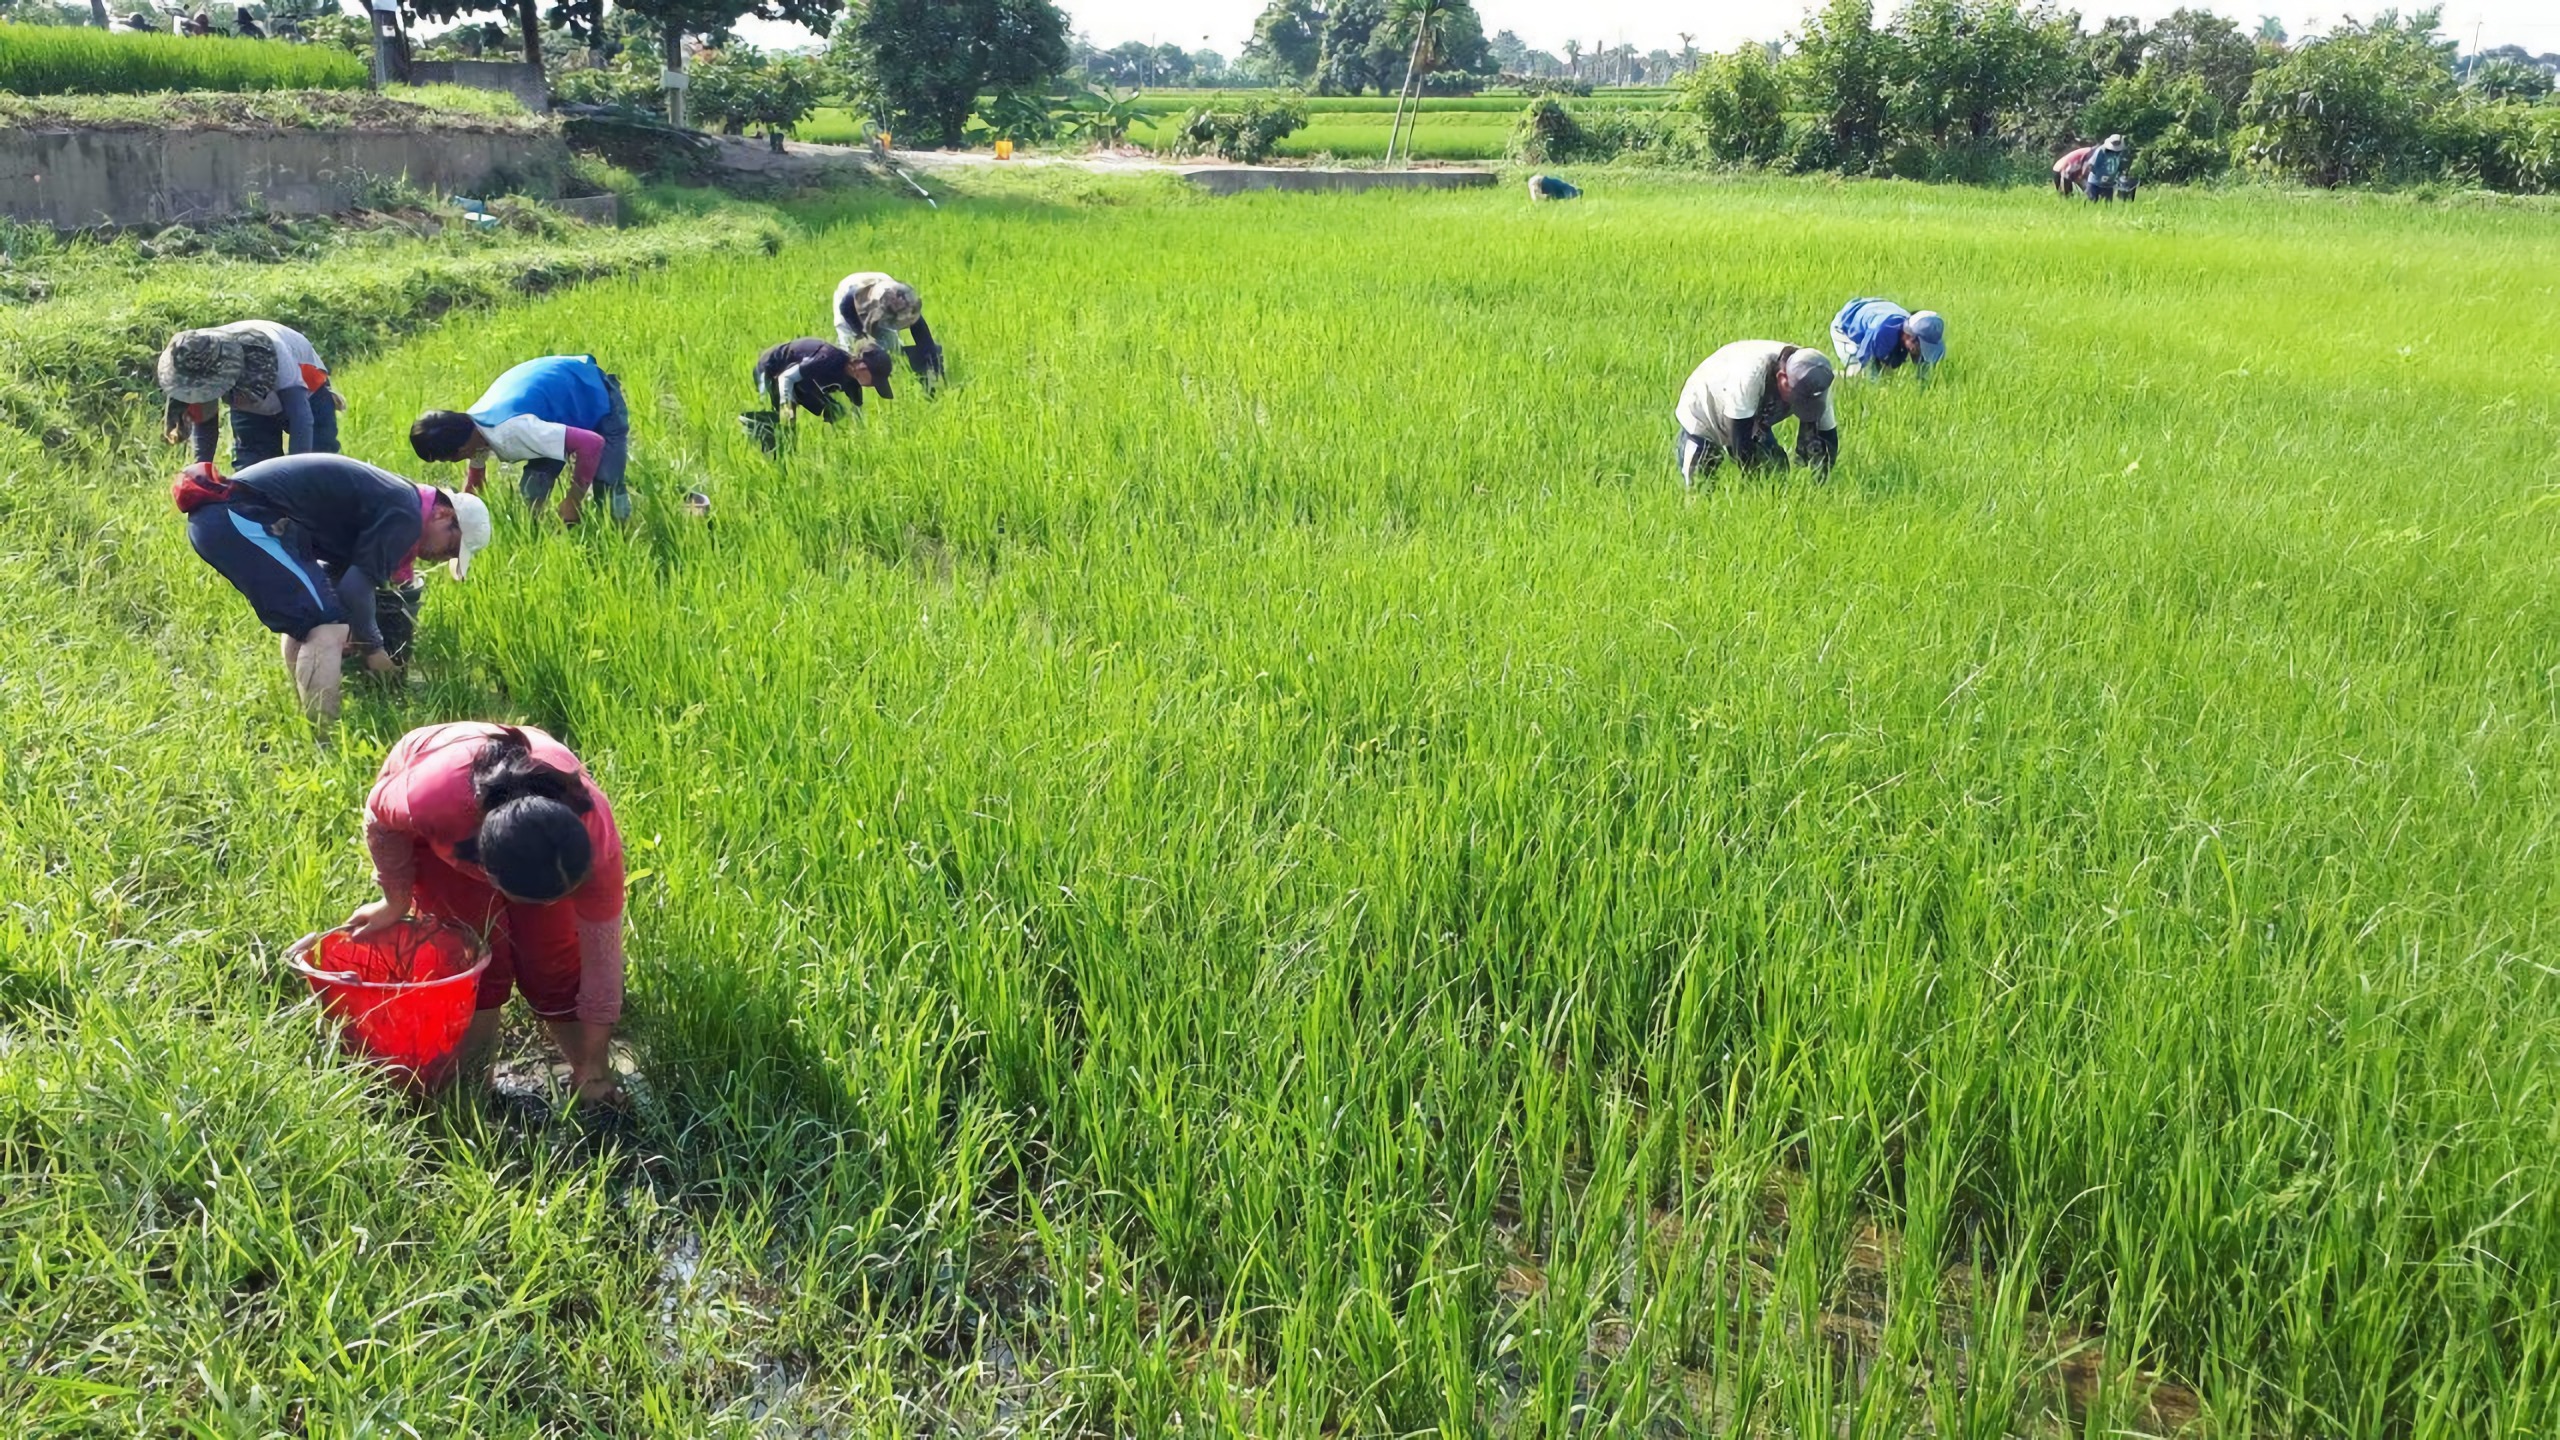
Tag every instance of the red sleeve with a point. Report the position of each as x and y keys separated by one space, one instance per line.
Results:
x=585 y=447
x=599 y=898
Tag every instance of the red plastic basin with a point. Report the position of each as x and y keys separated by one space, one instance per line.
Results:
x=404 y=996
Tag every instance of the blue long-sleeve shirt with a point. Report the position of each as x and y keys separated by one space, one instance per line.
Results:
x=1873 y=329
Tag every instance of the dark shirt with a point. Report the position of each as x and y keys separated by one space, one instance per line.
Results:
x=824 y=368
x=362 y=524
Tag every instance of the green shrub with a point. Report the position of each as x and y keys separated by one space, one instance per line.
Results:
x=1246 y=136
x=738 y=85
x=50 y=60
x=1548 y=133
x=1742 y=102
x=626 y=82
x=2504 y=145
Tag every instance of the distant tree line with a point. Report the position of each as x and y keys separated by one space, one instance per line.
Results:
x=1981 y=89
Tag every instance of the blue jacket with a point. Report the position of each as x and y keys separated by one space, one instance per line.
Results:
x=563 y=389
x=1874 y=328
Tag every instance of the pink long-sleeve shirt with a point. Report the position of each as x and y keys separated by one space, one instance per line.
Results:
x=423 y=796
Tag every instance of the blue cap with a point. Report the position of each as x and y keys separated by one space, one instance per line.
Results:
x=1930 y=329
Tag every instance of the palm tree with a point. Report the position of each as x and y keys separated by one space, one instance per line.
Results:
x=1688 y=51
x=1573 y=59
x=1427 y=17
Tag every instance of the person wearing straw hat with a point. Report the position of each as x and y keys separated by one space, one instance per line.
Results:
x=1872 y=336
x=1549 y=187
x=871 y=304
x=271 y=377
x=501 y=828
x=551 y=414
x=2109 y=174
x=308 y=540
x=810 y=374
x=1736 y=398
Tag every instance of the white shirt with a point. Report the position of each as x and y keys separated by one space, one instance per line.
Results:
x=523 y=437
x=1740 y=382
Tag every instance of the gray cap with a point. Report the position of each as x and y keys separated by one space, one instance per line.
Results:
x=1808 y=380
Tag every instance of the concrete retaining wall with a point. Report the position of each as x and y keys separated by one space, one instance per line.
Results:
x=75 y=179
x=1233 y=179
x=525 y=82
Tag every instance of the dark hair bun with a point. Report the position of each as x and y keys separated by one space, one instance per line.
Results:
x=535 y=849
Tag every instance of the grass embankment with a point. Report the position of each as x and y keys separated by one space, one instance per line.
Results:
x=63 y=59
x=1258 y=861
x=91 y=314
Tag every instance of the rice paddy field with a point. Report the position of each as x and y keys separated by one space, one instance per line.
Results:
x=1257 y=866
x=1339 y=127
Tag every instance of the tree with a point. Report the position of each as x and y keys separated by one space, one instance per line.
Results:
x=2270 y=30
x=924 y=63
x=670 y=21
x=1966 y=66
x=1430 y=23
x=2352 y=105
x=1349 y=63
x=1688 y=51
x=2214 y=50
x=527 y=14
x=1743 y=105
x=1840 y=70
x=1573 y=58
x=2506 y=78
x=1507 y=52
x=736 y=85
x=1288 y=40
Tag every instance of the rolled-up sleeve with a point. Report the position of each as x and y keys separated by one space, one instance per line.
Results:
x=600 y=971
x=395 y=856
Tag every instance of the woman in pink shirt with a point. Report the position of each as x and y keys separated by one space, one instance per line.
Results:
x=500 y=828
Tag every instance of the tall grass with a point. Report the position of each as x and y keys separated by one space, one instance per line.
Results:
x=1257 y=866
x=73 y=60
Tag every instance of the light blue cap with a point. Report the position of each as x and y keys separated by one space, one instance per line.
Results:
x=1930 y=329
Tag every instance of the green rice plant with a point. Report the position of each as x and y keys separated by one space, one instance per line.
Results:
x=1256 y=865
x=73 y=60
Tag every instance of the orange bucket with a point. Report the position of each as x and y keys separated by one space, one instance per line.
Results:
x=404 y=996
x=1004 y=149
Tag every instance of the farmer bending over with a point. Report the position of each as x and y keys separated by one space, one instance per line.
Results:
x=1873 y=336
x=499 y=828
x=309 y=539
x=809 y=374
x=1735 y=399
x=869 y=303
x=2106 y=178
x=1548 y=187
x=546 y=414
x=271 y=376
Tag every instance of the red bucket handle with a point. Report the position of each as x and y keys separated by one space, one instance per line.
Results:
x=348 y=979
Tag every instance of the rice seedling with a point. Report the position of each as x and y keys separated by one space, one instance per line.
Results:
x=1256 y=865
x=61 y=59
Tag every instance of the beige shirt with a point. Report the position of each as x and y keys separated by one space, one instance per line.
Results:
x=1740 y=382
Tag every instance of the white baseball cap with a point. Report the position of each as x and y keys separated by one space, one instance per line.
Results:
x=472 y=514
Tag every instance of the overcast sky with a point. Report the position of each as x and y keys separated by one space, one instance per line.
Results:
x=1224 y=25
